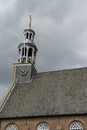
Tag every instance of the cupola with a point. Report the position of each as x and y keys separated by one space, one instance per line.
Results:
x=27 y=49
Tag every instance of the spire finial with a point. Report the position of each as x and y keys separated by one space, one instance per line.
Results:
x=30 y=14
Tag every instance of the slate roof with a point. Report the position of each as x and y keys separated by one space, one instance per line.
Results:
x=50 y=93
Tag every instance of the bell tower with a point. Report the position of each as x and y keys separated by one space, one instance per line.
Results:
x=25 y=68
x=28 y=49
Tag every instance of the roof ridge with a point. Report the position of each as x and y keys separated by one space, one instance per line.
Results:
x=51 y=71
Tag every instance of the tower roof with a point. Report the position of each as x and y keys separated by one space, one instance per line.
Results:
x=49 y=94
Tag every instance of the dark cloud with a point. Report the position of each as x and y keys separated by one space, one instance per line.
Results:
x=61 y=34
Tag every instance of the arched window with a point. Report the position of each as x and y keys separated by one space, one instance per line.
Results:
x=30 y=36
x=12 y=127
x=76 y=126
x=43 y=126
x=27 y=35
x=24 y=51
x=30 y=52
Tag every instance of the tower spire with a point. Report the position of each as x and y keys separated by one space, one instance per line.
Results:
x=30 y=14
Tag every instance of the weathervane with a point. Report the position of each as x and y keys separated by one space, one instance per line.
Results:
x=30 y=20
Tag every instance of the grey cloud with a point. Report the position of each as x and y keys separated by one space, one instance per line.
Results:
x=61 y=33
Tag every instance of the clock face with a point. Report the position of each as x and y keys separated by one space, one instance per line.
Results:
x=12 y=127
x=43 y=126
x=23 y=71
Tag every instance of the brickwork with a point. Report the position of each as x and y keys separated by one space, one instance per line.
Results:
x=55 y=123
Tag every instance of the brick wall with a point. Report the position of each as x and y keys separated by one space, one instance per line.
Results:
x=55 y=123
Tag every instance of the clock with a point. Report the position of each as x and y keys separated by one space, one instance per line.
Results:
x=23 y=71
x=12 y=127
x=43 y=126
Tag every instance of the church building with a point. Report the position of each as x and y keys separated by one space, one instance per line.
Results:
x=55 y=100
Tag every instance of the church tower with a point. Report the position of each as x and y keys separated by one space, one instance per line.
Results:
x=25 y=68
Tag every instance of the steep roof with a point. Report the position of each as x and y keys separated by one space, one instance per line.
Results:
x=50 y=93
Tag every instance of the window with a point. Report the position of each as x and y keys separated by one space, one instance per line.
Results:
x=30 y=52
x=26 y=35
x=76 y=126
x=43 y=126
x=24 y=51
x=12 y=127
x=30 y=35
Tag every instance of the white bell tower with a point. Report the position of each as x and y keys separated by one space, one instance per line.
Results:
x=24 y=70
x=28 y=49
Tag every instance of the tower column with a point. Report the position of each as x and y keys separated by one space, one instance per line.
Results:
x=27 y=56
x=33 y=55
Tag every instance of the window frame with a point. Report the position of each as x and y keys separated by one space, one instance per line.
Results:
x=80 y=124
x=12 y=124
x=43 y=123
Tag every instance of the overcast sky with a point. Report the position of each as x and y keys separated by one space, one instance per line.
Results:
x=61 y=34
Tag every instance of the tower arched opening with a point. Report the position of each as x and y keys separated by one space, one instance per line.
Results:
x=30 y=52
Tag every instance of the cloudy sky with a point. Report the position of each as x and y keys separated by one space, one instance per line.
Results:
x=61 y=34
